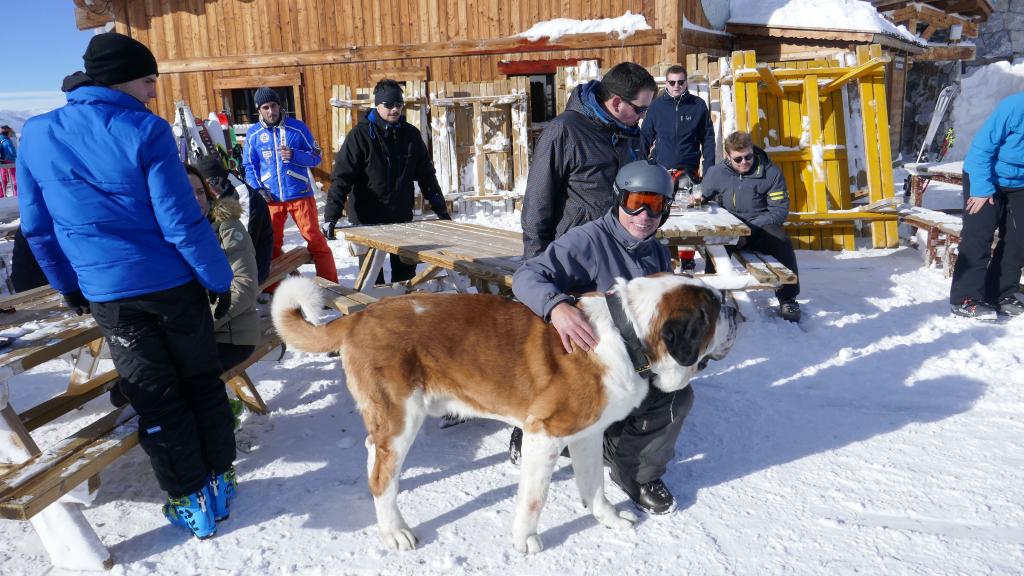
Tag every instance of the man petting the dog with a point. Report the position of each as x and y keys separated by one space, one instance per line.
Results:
x=590 y=257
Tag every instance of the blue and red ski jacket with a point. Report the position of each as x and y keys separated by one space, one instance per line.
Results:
x=264 y=167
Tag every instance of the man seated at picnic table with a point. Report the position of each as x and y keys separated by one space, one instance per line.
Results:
x=748 y=185
x=590 y=257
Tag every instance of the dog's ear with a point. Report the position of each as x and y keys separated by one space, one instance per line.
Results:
x=683 y=334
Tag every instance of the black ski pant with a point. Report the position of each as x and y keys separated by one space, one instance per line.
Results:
x=400 y=271
x=982 y=273
x=639 y=448
x=163 y=348
x=773 y=241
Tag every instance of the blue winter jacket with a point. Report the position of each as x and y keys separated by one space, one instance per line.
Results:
x=996 y=156
x=8 y=153
x=105 y=203
x=680 y=131
x=586 y=258
x=264 y=167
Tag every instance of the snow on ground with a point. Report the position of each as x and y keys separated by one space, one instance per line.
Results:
x=882 y=436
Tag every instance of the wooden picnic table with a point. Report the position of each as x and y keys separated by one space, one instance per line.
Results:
x=490 y=256
x=922 y=172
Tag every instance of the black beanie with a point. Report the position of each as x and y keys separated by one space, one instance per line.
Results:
x=264 y=95
x=113 y=58
x=390 y=93
x=211 y=167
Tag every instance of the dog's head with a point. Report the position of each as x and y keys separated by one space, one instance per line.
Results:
x=683 y=324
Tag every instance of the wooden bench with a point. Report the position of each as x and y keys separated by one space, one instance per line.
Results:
x=769 y=272
x=943 y=234
x=35 y=486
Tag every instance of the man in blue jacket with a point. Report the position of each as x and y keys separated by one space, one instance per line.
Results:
x=678 y=126
x=109 y=213
x=278 y=157
x=620 y=244
x=986 y=281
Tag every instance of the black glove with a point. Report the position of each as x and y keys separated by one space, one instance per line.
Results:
x=77 y=302
x=443 y=215
x=265 y=192
x=222 y=301
x=328 y=229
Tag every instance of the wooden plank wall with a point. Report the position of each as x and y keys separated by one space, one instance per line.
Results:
x=182 y=29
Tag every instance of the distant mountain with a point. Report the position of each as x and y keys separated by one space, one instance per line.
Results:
x=16 y=118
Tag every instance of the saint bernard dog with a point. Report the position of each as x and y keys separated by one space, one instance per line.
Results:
x=479 y=355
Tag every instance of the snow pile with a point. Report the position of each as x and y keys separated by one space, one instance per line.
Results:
x=850 y=15
x=980 y=93
x=624 y=26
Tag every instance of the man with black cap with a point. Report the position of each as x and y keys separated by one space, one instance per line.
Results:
x=110 y=215
x=375 y=170
x=255 y=214
x=279 y=153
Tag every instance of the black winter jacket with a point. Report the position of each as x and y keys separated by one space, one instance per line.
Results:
x=573 y=168
x=377 y=165
x=256 y=217
x=759 y=197
x=680 y=131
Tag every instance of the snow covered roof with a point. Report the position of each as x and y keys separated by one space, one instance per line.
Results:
x=624 y=26
x=833 y=15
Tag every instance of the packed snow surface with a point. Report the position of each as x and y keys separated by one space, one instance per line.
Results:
x=624 y=26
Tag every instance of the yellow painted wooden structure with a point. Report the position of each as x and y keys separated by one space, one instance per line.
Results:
x=795 y=110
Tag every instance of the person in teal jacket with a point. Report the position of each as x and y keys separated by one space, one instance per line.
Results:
x=986 y=280
x=109 y=213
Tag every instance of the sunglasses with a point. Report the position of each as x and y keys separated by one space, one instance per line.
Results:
x=744 y=158
x=640 y=110
x=655 y=204
x=675 y=82
x=392 y=105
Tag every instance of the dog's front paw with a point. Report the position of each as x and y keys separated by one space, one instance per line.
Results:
x=529 y=545
x=398 y=539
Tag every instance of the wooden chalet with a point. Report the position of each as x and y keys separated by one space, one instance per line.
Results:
x=215 y=53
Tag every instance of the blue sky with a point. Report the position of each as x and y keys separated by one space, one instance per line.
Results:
x=41 y=46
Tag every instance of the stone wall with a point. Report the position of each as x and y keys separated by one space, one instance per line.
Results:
x=1002 y=36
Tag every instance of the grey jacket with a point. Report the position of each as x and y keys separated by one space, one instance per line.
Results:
x=241 y=325
x=573 y=168
x=587 y=258
x=759 y=198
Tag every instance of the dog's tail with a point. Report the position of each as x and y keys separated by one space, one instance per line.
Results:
x=295 y=297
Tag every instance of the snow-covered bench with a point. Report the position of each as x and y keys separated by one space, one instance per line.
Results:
x=32 y=489
x=942 y=234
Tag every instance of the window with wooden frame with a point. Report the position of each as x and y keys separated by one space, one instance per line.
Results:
x=237 y=95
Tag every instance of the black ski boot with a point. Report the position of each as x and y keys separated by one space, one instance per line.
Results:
x=652 y=497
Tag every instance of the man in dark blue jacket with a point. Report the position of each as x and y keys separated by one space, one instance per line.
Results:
x=748 y=185
x=620 y=244
x=678 y=126
x=109 y=213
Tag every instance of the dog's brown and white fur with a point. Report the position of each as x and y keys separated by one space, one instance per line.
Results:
x=481 y=355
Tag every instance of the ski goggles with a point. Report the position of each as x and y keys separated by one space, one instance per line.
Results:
x=655 y=204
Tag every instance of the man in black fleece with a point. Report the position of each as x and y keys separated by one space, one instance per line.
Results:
x=374 y=171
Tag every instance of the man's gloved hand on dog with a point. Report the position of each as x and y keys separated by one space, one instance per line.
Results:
x=573 y=327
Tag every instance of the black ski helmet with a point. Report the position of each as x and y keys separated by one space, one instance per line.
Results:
x=642 y=176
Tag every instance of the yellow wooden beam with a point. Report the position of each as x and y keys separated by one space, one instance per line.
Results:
x=868 y=68
x=804 y=155
x=840 y=217
x=769 y=79
x=812 y=106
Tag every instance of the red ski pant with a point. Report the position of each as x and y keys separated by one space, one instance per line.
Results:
x=303 y=211
x=8 y=181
